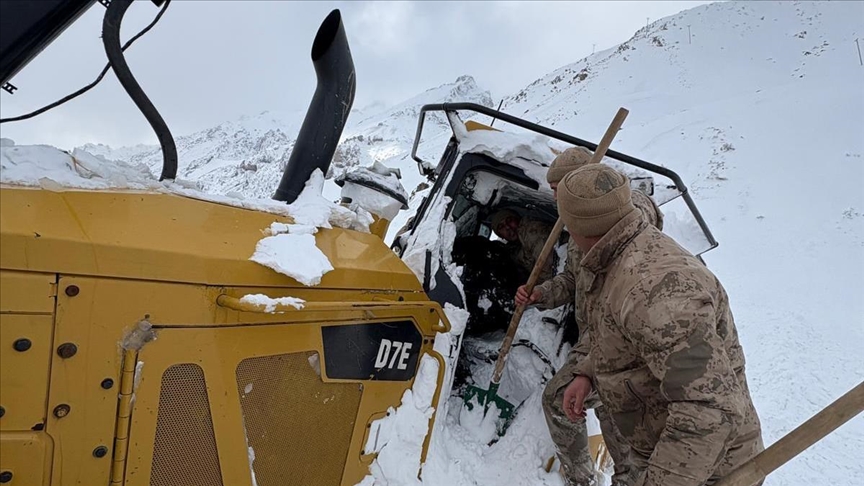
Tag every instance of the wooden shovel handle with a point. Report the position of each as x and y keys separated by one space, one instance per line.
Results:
x=605 y=142
x=810 y=432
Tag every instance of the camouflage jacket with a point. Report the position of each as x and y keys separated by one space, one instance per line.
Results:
x=561 y=289
x=532 y=237
x=665 y=357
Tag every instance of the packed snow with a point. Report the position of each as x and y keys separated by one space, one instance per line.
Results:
x=398 y=438
x=313 y=210
x=290 y=249
x=434 y=240
x=53 y=169
x=270 y=305
x=530 y=152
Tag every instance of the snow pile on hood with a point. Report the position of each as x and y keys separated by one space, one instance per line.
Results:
x=398 y=438
x=311 y=209
x=48 y=167
x=270 y=304
x=290 y=248
x=293 y=254
x=54 y=169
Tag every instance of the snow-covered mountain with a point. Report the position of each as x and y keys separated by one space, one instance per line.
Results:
x=248 y=155
x=759 y=106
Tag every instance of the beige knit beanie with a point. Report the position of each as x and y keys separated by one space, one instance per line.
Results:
x=593 y=198
x=570 y=159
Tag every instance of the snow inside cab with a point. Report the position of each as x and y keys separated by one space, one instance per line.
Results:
x=156 y=335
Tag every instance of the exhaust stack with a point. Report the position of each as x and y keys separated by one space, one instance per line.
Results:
x=319 y=135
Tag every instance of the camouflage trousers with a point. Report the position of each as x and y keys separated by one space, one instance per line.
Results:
x=571 y=438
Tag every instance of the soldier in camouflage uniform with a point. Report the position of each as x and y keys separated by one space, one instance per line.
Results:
x=571 y=437
x=663 y=349
x=525 y=240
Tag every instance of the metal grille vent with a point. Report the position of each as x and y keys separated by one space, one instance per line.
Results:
x=298 y=426
x=184 y=452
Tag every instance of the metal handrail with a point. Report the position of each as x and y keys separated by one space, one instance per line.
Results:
x=627 y=159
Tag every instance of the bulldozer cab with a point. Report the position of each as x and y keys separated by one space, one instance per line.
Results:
x=484 y=170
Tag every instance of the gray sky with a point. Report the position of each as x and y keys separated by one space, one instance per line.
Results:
x=210 y=61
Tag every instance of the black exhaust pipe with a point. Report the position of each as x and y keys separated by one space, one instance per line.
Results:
x=331 y=103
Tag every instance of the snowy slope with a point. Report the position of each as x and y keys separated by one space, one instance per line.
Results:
x=761 y=110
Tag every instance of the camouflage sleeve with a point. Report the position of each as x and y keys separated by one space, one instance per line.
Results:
x=533 y=235
x=670 y=318
x=561 y=289
x=581 y=354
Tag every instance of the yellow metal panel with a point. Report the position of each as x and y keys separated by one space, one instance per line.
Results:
x=287 y=411
x=27 y=455
x=171 y=238
x=219 y=351
x=24 y=292
x=472 y=125
x=90 y=324
x=24 y=374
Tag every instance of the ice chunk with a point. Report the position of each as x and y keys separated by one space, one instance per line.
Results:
x=293 y=255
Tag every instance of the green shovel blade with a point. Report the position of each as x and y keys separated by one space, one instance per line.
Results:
x=476 y=396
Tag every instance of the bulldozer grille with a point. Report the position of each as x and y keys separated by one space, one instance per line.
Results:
x=298 y=426
x=185 y=448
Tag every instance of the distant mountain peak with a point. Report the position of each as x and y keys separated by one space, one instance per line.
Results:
x=248 y=154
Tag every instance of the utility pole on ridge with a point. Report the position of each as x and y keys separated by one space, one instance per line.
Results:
x=861 y=62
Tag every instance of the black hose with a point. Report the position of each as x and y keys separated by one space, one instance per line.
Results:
x=111 y=40
x=92 y=85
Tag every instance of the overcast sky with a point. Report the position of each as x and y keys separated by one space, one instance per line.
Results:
x=211 y=61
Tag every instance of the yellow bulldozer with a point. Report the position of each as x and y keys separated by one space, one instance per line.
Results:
x=128 y=353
